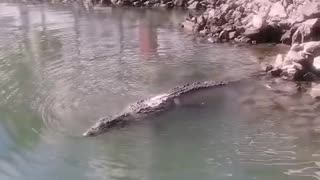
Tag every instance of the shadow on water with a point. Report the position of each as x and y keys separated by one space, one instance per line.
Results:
x=61 y=68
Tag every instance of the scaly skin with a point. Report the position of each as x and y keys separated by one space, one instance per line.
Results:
x=149 y=106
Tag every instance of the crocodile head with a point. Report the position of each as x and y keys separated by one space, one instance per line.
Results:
x=104 y=124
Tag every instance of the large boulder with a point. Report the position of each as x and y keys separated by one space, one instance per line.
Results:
x=306 y=31
x=277 y=10
x=294 y=66
x=311 y=10
x=311 y=48
x=258 y=21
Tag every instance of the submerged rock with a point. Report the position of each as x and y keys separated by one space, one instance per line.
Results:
x=315 y=90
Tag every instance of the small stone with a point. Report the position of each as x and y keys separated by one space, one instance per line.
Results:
x=224 y=35
x=286 y=37
x=278 y=63
x=309 y=77
x=212 y=39
x=268 y=68
x=169 y=4
x=232 y=35
x=291 y=72
x=276 y=72
x=201 y=20
x=229 y=28
x=196 y=28
x=203 y=32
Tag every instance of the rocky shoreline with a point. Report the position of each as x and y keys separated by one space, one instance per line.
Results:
x=258 y=21
x=186 y=4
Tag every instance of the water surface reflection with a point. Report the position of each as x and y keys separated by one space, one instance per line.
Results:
x=61 y=68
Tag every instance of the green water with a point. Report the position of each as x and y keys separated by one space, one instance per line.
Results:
x=62 y=67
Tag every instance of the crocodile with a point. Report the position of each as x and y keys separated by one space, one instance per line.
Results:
x=145 y=108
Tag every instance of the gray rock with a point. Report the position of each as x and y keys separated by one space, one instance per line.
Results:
x=169 y=4
x=190 y=2
x=212 y=39
x=293 y=55
x=201 y=20
x=291 y=72
x=268 y=68
x=306 y=31
x=311 y=10
x=258 y=21
x=229 y=28
x=194 y=5
x=278 y=10
x=286 y=37
x=225 y=7
x=290 y=9
x=311 y=48
x=276 y=72
x=316 y=63
x=114 y=1
x=315 y=90
x=137 y=3
x=236 y=14
x=278 y=63
x=312 y=23
x=249 y=32
x=232 y=35
x=204 y=32
x=178 y=2
x=224 y=35
x=211 y=13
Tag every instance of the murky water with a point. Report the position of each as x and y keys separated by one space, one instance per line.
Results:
x=61 y=68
